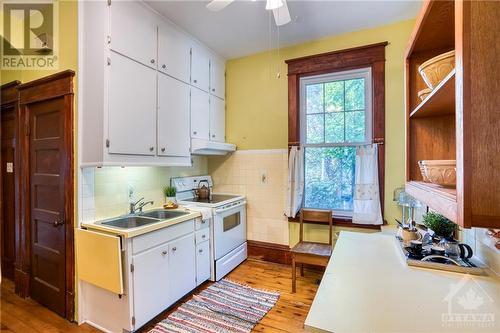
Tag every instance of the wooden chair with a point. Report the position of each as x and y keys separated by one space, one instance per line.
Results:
x=310 y=252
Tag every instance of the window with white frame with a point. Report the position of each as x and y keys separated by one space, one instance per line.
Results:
x=336 y=112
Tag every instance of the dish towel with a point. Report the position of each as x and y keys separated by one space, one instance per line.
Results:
x=206 y=213
x=366 y=203
x=295 y=190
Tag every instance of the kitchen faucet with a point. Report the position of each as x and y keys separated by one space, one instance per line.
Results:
x=136 y=207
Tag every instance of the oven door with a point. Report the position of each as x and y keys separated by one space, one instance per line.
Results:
x=230 y=228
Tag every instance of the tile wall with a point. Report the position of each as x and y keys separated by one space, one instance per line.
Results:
x=260 y=175
x=105 y=191
x=483 y=247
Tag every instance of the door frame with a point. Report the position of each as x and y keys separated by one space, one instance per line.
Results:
x=49 y=87
x=10 y=98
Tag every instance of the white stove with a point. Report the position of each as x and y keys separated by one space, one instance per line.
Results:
x=228 y=241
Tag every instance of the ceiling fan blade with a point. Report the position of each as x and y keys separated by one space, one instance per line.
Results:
x=217 y=5
x=282 y=14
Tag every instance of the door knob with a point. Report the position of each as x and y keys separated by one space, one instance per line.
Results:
x=57 y=223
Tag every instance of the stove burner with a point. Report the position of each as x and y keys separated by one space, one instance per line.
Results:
x=215 y=198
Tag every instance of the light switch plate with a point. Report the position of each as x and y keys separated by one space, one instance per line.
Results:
x=10 y=167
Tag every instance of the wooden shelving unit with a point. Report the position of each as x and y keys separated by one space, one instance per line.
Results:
x=458 y=120
x=441 y=101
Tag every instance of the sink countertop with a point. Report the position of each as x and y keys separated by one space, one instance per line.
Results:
x=367 y=287
x=133 y=232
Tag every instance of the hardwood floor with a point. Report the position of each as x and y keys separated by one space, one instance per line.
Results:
x=288 y=315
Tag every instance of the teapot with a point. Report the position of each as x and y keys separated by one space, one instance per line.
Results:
x=203 y=192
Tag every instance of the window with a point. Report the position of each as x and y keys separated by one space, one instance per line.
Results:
x=335 y=117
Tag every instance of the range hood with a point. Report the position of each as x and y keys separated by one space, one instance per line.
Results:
x=206 y=147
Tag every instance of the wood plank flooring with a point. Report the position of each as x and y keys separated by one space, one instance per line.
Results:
x=288 y=315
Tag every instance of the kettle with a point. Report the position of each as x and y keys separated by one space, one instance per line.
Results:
x=203 y=192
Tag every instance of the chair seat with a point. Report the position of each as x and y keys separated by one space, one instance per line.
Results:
x=318 y=249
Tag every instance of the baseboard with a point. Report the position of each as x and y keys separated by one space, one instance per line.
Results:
x=271 y=252
x=21 y=281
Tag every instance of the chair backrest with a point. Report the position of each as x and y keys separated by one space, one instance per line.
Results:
x=316 y=215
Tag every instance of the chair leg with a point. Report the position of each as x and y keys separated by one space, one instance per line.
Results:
x=293 y=275
x=301 y=269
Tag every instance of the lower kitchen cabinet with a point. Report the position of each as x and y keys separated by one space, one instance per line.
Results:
x=182 y=263
x=160 y=267
x=202 y=262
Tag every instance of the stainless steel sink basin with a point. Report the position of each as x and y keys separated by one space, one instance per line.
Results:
x=164 y=214
x=128 y=222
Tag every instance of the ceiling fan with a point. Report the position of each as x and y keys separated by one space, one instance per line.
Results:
x=279 y=8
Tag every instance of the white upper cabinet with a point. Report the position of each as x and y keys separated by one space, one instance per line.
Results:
x=217 y=119
x=217 y=77
x=200 y=114
x=173 y=117
x=132 y=107
x=200 y=67
x=174 y=50
x=133 y=31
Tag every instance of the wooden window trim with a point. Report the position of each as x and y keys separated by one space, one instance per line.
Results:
x=372 y=56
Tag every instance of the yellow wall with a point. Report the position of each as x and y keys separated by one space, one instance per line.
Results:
x=256 y=116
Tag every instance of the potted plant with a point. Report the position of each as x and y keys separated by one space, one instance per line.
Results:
x=440 y=225
x=170 y=192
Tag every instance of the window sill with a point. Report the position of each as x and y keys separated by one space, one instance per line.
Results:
x=341 y=222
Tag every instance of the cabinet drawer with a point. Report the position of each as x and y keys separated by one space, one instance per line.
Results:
x=152 y=239
x=202 y=262
x=202 y=224
x=202 y=235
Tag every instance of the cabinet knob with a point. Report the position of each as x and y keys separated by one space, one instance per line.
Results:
x=200 y=250
x=203 y=236
x=151 y=148
x=195 y=81
x=164 y=253
x=57 y=223
x=174 y=249
x=163 y=150
x=213 y=89
x=203 y=221
x=152 y=61
x=195 y=132
x=163 y=66
x=213 y=135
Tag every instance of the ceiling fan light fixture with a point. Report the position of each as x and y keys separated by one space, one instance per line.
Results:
x=273 y=4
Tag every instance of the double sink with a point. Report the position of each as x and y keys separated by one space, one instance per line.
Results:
x=142 y=219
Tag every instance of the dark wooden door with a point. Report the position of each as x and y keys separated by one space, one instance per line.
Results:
x=8 y=208
x=47 y=174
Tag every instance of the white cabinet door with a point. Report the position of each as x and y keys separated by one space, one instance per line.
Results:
x=173 y=117
x=217 y=119
x=133 y=31
x=174 y=53
x=217 y=78
x=200 y=67
x=150 y=280
x=132 y=107
x=200 y=114
x=182 y=264
x=202 y=262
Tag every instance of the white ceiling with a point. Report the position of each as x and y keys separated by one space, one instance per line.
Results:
x=243 y=27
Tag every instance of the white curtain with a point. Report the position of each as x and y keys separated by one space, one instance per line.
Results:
x=366 y=191
x=295 y=181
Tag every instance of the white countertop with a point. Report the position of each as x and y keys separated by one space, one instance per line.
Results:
x=133 y=232
x=367 y=287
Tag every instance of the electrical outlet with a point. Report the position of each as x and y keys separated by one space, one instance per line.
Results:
x=263 y=177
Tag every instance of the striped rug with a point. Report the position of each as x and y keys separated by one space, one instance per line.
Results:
x=224 y=307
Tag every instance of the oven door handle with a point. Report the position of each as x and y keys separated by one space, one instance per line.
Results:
x=222 y=210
